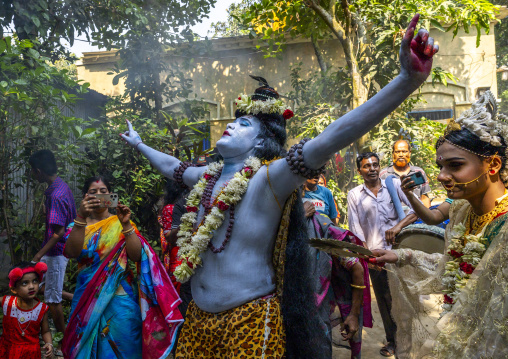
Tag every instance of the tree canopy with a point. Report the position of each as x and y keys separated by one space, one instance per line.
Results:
x=108 y=24
x=368 y=32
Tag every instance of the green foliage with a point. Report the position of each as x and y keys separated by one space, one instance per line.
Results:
x=108 y=24
x=139 y=185
x=501 y=31
x=368 y=33
x=233 y=25
x=33 y=96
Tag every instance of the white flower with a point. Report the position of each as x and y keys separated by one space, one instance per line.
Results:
x=246 y=104
x=458 y=230
x=451 y=266
x=448 y=282
x=214 y=168
x=473 y=247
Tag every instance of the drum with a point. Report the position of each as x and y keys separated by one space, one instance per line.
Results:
x=422 y=237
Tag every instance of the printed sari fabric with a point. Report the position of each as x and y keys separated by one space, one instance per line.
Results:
x=333 y=283
x=114 y=315
x=170 y=254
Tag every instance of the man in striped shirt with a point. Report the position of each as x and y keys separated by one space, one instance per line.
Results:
x=60 y=212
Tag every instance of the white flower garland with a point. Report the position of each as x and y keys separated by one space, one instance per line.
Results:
x=466 y=252
x=191 y=243
x=245 y=103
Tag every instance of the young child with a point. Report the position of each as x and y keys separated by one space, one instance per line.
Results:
x=24 y=315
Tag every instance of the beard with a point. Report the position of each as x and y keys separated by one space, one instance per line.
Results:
x=401 y=162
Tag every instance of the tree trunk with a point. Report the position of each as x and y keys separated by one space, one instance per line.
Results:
x=4 y=183
x=317 y=50
x=360 y=94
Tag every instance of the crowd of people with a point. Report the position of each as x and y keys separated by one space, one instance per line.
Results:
x=238 y=278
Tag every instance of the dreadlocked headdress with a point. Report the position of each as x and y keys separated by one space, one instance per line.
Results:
x=266 y=106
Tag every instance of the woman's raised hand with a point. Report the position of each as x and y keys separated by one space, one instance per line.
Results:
x=124 y=214
x=88 y=204
x=130 y=136
x=416 y=52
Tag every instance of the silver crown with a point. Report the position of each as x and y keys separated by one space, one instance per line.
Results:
x=482 y=120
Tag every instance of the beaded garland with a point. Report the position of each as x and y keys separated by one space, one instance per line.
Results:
x=295 y=160
x=194 y=241
x=178 y=175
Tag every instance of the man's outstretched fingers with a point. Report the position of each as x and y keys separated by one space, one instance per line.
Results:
x=436 y=49
x=410 y=33
x=129 y=125
x=429 y=47
x=412 y=25
x=418 y=43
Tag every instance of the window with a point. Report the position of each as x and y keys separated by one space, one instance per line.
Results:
x=434 y=115
x=480 y=91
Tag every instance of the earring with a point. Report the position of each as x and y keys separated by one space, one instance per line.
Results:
x=492 y=172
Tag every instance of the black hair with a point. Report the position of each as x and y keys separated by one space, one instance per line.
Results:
x=363 y=156
x=272 y=132
x=401 y=140
x=44 y=160
x=273 y=125
x=173 y=192
x=299 y=310
x=466 y=139
x=89 y=181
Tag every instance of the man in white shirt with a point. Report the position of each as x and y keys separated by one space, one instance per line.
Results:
x=373 y=218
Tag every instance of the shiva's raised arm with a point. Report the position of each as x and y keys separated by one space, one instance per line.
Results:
x=416 y=54
x=164 y=163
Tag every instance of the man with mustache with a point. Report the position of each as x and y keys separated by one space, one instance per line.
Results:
x=400 y=167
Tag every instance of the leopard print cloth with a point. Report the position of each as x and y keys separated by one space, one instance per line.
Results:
x=253 y=330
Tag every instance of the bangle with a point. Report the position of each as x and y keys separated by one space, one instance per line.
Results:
x=79 y=223
x=77 y=214
x=50 y=344
x=358 y=286
x=128 y=232
x=137 y=144
x=296 y=163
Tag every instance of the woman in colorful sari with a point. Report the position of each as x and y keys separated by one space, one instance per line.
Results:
x=472 y=274
x=114 y=314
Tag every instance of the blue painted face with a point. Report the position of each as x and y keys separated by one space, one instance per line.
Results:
x=240 y=137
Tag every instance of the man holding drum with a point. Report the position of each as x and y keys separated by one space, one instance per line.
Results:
x=373 y=218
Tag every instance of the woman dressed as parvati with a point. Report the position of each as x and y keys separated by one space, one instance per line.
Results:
x=472 y=274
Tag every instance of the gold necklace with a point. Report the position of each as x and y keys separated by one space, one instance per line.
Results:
x=475 y=223
x=23 y=319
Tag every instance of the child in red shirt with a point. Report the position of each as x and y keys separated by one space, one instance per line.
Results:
x=25 y=316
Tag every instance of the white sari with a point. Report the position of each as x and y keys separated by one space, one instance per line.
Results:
x=477 y=325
